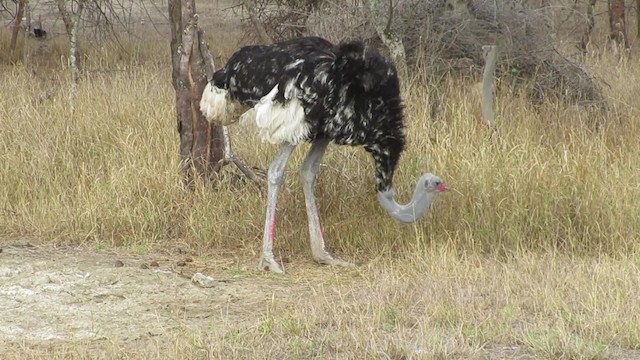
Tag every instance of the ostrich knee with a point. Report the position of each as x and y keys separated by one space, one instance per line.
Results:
x=276 y=175
x=309 y=168
x=308 y=174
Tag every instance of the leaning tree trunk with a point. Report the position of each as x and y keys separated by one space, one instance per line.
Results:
x=201 y=142
x=591 y=22
x=382 y=15
x=70 y=20
x=617 y=23
x=16 y=28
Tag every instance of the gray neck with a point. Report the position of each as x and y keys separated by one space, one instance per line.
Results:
x=411 y=211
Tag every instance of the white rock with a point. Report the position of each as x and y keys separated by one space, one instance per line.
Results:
x=203 y=280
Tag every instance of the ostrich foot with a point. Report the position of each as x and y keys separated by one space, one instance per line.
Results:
x=270 y=264
x=326 y=259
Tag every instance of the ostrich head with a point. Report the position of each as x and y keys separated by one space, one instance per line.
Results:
x=427 y=188
x=432 y=183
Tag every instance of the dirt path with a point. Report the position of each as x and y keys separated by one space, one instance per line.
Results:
x=83 y=303
x=71 y=294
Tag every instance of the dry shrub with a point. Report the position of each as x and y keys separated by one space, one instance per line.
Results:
x=446 y=37
x=282 y=19
x=338 y=21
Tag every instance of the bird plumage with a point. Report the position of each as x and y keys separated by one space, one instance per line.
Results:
x=308 y=89
x=350 y=94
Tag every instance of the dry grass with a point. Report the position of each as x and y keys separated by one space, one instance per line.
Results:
x=533 y=254
x=439 y=305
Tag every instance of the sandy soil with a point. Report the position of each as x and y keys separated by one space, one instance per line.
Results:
x=72 y=294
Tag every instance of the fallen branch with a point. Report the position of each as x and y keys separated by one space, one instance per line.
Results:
x=229 y=157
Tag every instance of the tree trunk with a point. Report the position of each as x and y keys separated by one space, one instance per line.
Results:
x=382 y=16
x=617 y=23
x=201 y=142
x=591 y=22
x=69 y=23
x=489 y=55
x=26 y=47
x=74 y=53
x=638 y=17
x=16 y=27
x=66 y=18
x=27 y=16
x=255 y=21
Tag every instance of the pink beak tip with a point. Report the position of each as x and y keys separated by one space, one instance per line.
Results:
x=442 y=187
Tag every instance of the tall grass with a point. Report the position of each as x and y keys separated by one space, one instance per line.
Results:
x=533 y=252
x=108 y=174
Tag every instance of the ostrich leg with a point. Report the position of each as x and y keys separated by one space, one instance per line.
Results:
x=308 y=173
x=275 y=179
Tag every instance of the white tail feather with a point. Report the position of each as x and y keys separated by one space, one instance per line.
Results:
x=278 y=123
x=215 y=105
x=264 y=107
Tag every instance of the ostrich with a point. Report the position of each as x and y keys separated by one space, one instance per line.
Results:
x=308 y=89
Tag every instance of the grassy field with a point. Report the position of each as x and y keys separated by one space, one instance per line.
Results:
x=533 y=254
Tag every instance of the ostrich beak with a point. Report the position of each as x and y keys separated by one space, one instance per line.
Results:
x=442 y=187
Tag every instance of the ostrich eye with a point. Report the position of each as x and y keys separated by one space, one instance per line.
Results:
x=432 y=184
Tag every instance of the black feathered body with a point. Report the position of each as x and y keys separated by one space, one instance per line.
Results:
x=350 y=93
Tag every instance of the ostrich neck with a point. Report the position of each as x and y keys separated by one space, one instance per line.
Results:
x=409 y=212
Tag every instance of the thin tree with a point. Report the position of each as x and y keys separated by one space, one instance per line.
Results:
x=201 y=142
x=617 y=23
x=16 y=27
x=638 y=17
x=74 y=54
x=591 y=22
x=26 y=54
x=382 y=15
x=71 y=19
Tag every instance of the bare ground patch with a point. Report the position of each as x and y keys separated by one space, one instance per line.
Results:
x=77 y=303
x=52 y=295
